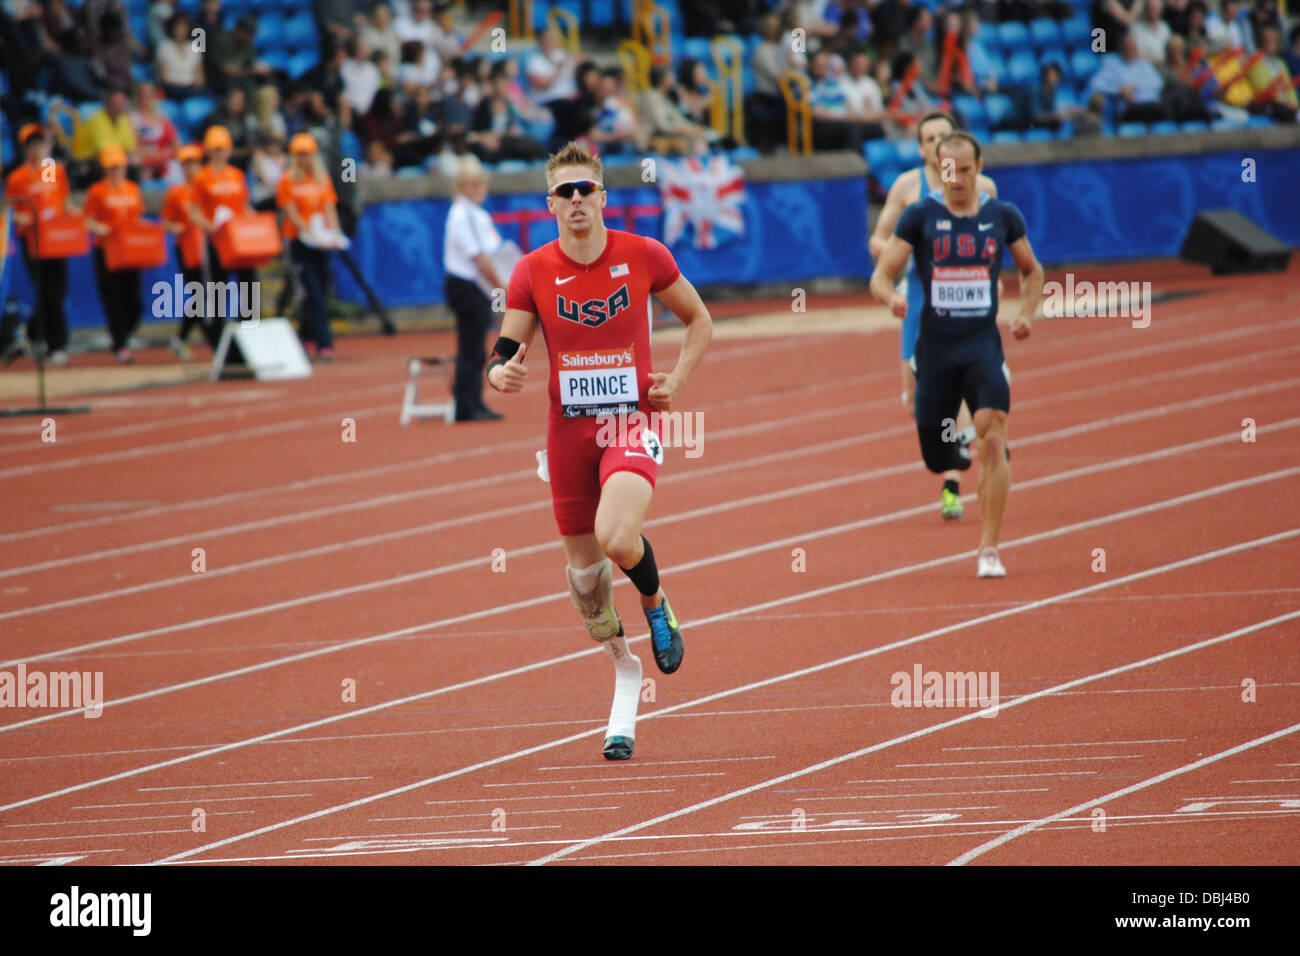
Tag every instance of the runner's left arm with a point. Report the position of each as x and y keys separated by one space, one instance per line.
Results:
x=683 y=301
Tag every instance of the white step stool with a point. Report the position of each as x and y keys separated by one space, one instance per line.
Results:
x=411 y=408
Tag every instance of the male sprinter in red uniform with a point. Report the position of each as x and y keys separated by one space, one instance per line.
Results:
x=591 y=290
x=958 y=240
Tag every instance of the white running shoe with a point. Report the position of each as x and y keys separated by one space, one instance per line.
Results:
x=990 y=566
x=59 y=358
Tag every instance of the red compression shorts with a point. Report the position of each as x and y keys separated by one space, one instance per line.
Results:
x=581 y=457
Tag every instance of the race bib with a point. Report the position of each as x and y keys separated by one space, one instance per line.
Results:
x=598 y=383
x=961 y=287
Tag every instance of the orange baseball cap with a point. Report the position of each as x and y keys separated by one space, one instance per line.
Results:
x=217 y=137
x=302 y=143
x=190 y=153
x=112 y=155
x=30 y=130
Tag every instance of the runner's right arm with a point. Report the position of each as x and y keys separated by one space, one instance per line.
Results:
x=517 y=329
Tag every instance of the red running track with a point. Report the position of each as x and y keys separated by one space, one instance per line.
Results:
x=1147 y=712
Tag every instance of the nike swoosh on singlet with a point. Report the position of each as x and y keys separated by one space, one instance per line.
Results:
x=559 y=281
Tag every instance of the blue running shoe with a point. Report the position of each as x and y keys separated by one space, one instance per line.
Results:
x=617 y=748
x=666 y=637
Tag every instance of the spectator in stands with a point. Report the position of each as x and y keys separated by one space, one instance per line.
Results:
x=919 y=41
x=1264 y=14
x=419 y=65
x=1293 y=51
x=419 y=135
x=1228 y=28
x=307 y=198
x=46 y=191
x=189 y=240
x=1178 y=95
x=666 y=128
x=419 y=25
x=458 y=106
x=155 y=134
x=695 y=91
x=361 y=78
x=110 y=126
x=179 y=64
x=981 y=63
x=1280 y=101
x=62 y=48
x=233 y=62
x=765 y=106
x=852 y=22
x=617 y=128
x=449 y=44
x=232 y=115
x=1175 y=14
x=112 y=204
x=212 y=22
x=832 y=124
x=160 y=11
x=1045 y=109
x=909 y=94
x=551 y=70
x=1133 y=80
x=378 y=33
x=809 y=16
x=382 y=124
x=266 y=168
x=1150 y=32
x=267 y=117
x=1196 y=32
x=527 y=108
x=865 y=99
x=890 y=18
x=335 y=21
x=114 y=48
x=378 y=164
x=1113 y=18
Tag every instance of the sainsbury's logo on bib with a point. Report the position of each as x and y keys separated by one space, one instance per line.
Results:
x=599 y=382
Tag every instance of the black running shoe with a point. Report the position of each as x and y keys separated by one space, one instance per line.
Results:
x=617 y=748
x=666 y=637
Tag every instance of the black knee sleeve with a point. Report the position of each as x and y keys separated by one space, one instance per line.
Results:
x=646 y=573
x=940 y=455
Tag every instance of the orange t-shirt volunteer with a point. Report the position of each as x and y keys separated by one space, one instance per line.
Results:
x=227 y=188
x=114 y=204
x=176 y=202
x=309 y=196
x=49 y=197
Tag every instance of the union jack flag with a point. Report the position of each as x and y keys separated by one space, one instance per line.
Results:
x=705 y=193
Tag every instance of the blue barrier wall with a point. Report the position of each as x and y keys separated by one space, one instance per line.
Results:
x=1088 y=210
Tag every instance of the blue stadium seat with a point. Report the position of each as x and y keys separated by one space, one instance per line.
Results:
x=984 y=62
x=1258 y=121
x=1022 y=68
x=1005 y=137
x=1058 y=56
x=694 y=48
x=141 y=72
x=300 y=32
x=969 y=108
x=1164 y=127
x=6 y=152
x=1066 y=131
x=1131 y=129
x=350 y=145
x=1083 y=64
x=1065 y=98
x=1226 y=123
x=196 y=108
x=276 y=58
x=1013 y=35
x=173 y=111
x=1194 y=126
x=1044 y=33
x=979 y=130
x=1039 y=136
x=1077 y=31
x=988 y=37
x=139 y=23
x=742 y=153
x=270 y=25
x=886 y=175
x=879 y=152
x=999 y=108
x=301 y=62
x=909 y=151
x=601 y=13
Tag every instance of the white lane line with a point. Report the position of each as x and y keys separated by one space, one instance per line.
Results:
x=1271 y=780
x=616 y=773
x=156 y=816
x=61 y=861
x=931 y=793
x=480 y=814
x=92 y=836
x=1092 y=743
x=983 y=763
x=817 y=668
x=1046 y=480
x=262 y=783
x=543 y=796
x=935 y=728
x=663 y=763
x=206 y=799
x=272 y=735
x=1020 y=831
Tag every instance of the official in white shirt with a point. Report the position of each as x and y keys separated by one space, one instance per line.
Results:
x=470 y=242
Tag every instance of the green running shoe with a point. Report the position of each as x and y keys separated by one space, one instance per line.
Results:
x=950 y=505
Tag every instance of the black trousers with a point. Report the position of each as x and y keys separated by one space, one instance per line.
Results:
x=216 y=272
x=49 y=321
x=188 y=322
x=473 y=319
x=119 y=292
x=312 y=268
